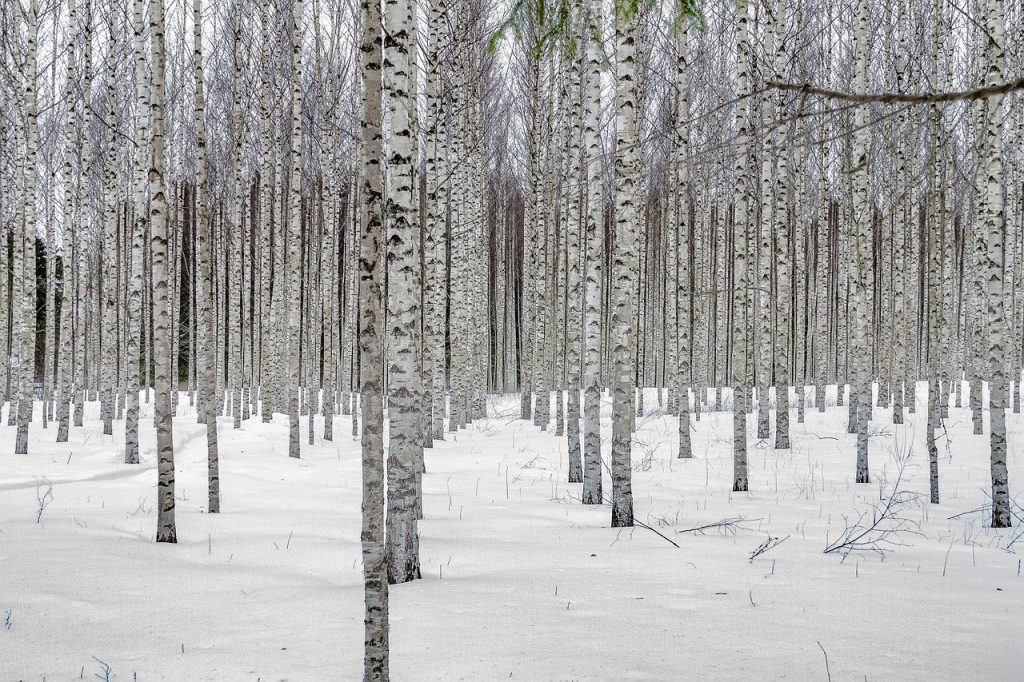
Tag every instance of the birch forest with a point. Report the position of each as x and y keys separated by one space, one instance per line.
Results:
x=620 y=330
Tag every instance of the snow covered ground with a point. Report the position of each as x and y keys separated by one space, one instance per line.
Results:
x=520 y=581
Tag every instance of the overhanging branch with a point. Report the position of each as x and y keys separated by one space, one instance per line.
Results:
x=898 y=98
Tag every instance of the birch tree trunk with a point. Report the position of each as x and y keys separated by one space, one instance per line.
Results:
x=235 y=311
x=741 y=221
x=268 y=331
x=161 y=306
x=371 y=333
x=80 y=366
x=131 y=450
x=593 y=259
x=28 y=363
x=762 y=258
x=402 y=547
x=683 y=301
x=782 y=249
x=108 y=284
x=65 y=382
x=860 y=384
x=436 y=231
x=293 y=237
x=627 y=170
x=991 y=213
x=206 y=323
x=574 y=281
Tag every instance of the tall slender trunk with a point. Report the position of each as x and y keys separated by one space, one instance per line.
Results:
x=402 y=541
x=741 y=218
x=293 y=235
x=680 y=231
x=782 y=249
x=762 y=258
x=65 y=379
x=161 y=306
x=991 y=213
x=436 y=229
x=79 y=264
x=860 y=378
x=235 y=310
x=593 y=259
x=371 y=340
x=28 y=300
x=574 y=277
x=131 y=450
x=624 y=265
x=205 y=353
x=108 y=283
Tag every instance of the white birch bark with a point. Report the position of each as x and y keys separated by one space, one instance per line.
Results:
x=782 y=246
x=29 y=178
x=593 y=258
x=161 y=308
x=860 y=380
x=624 y=265
x=131 y=451
x=402 y=541
x=268 y=332
x=108 y=291
x=683 y=301
x=574 y=282
x=991 y=213
x=207 y=322
x=436 y=230
x=371 y=333
x=741 y=221
x=293 y=234
x=65 y=382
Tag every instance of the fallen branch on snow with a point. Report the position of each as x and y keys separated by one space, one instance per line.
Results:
x=770 y=543
x=881 y=528
x=727 y=526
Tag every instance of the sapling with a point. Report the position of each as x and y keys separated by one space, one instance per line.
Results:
x=105 y=671
x=43 y=497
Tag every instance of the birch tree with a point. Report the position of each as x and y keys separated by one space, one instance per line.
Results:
x=991 y=215
x=741 y=205
x=27 y=178
x=371 y=332
x=593 y=259
x=402 y=296
x=206 y=322
x=166 y=531
x=627 y=169
x=293 y=234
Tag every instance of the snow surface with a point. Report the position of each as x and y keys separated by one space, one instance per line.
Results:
x=520 y=581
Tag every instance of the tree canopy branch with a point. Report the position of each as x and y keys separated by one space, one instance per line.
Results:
x=895 y=97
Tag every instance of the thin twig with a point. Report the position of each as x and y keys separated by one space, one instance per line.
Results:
x=644 y=525
x=827 y=670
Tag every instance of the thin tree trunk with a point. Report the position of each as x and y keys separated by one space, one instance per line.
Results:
x=161 y=306
x=991 y=213
x=627 y=171
x=402 y=541
x=371 y=333
x=293 y=235
x=594 y=258
x=741 y=219
x=131 y=451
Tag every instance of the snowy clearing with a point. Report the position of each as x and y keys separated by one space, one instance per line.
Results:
x=519 y=580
